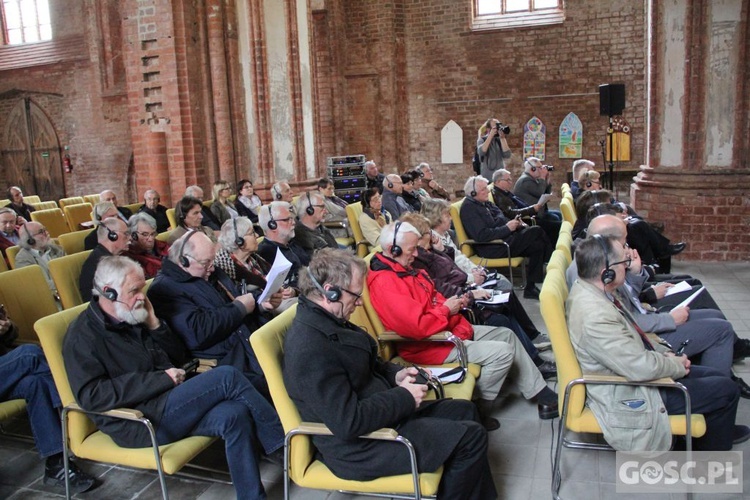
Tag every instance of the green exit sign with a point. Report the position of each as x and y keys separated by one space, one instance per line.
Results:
x=45 y=155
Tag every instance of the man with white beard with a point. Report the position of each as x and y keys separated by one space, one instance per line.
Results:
x=119 y=354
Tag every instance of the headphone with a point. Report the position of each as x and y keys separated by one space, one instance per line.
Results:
x=587 y=175
x=608 y=275
x=111 y=234
x=134 y=235
x=333 y=294
x=272 y=225
x=182 y=258
x=395 y=249
x=309 y=210
x=473 y=192
x=240 y=242
x=107 y=292
x=276 y=196
x=390 y=183
x=31 y=240
x=533 y=167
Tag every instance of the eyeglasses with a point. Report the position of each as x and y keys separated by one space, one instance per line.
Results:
x=285 y=219
x=626 y=262
x=147 y=235
x=318 y=206
x=507 y=180
x=41 y=231
x=358 y=296
x=205 y=263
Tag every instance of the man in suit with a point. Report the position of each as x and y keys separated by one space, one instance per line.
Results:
x=123 y=213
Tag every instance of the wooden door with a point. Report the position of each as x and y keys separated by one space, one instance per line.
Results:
x=30 y=152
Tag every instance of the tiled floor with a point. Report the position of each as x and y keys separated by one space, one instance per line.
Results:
x=520 y=452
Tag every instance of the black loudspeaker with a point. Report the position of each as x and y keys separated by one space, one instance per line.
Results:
x=611 y=99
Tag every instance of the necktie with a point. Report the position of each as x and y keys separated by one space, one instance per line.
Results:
x=626 y=314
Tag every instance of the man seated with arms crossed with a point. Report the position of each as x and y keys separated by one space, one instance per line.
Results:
x=119 y=354
x=152 y=207
x=485 y=222
x=408 y=303
x=429 y=184
x=202 y=305
x=607 y=340
x=144 y=248
x=37 y=248
x=113 y=237
x=334 y=375
x=309 y=232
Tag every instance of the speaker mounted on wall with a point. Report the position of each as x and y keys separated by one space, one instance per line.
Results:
x=611 y=99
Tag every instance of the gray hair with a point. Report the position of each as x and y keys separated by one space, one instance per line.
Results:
x=590 y=256
x=101 y=208
x=229 y=234
x=266 y=213
x=433 y=209
x=7 y=210
x=498 y=173
x=471 y=184
x=330 y=266
x=580 y=165
x=276 y=188
x=111 y=272
x=531 y=161
x=23 y=241
x=386 y=235
x=184 y=245
x=308 y=199
x=105 y=226
x=140 y=217
x=192 y=190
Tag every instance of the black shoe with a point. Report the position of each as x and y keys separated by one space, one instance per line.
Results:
x=676 y=248
x=741 y=349
x=740 y=434
x=531 y=293
x=548 y=410
x=54 y=475
x=548 y=369
x=744 y=388
x=484 y=406
x=490 y=424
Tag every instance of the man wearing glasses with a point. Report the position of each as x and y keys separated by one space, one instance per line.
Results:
x=145 y=249
x=512 y=206
x=278 y=224
x=8 y=231
x=113 y=238
x=152 y=207
x=37 y=248
x=309 y=232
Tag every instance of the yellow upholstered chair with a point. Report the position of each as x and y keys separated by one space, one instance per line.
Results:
x=72 y=200
x=353 y=213
x=91 y=198
x=467 y=247
x=74 y=242
x=4 y=203
x=10 y=409
x=53 y=219
x=3 y=265
x=65 y=272
x=81 y=435
x=12 y=253
x=564 y=244
x=32 y=198
x=564 y=188
x=134 y=207
x=575 y=416
x=44 y=205
x=568 y=211
x=299 y=452
x=27 y=297
x=76 y=214
x=164 y=236
x=172 y=218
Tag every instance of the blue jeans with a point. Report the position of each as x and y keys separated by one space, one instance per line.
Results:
x=221 y=402
x=24 y=374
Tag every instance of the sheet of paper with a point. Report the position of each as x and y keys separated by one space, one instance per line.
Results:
x=497 y=298
x=688 y=300
x=682 y=286
x=489 y=284
x=446 y=380
x=276 y=276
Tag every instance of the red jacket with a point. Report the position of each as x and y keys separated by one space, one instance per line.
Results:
x=150 y=262
x=407 y=303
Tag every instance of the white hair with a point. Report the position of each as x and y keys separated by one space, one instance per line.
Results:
x=272 y=210
x=581 y=165
x=229 y=234
x=471 y=184
x=308 y=199
x=140 y=217
x=386 y=235
x=531 y=161
x=111 y=272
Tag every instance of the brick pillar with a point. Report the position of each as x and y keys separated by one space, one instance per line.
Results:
x=698 y=159
x=157 y=165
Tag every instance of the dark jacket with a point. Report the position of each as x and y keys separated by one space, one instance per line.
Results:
x=395 y=204
x=209 y=219
x=334 y=375
x=485 y=222
x=243 y=211
x=293 y=253
x=160 y=215
x=412 y=200
x=448 y=278
x=125 y=212
x=529 y=189
x=119 y=365
x=377 y=182
x=23 y=211
x=510 y=205
x=86 y=279
x=313 y=239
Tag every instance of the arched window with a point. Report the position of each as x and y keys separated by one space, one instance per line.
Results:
x=498 y=14
x=25 y=21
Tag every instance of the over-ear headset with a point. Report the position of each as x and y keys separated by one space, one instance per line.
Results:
x=108 y=293
x=111 y=234
x=608 y=275
x=240 y=242
x=277 y=193
x=31 y=240
x=395 y=249
x=272 y=222
x=182 y=258
x=309 y=210
x=587 y=175
x=473 y=192
x=134 y=236
x=390 y=183
x=333 y=294
x=533 y=167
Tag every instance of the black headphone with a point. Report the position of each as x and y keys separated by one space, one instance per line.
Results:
x=182 y=258
x=309 y=210
x=240 y=242
x=333 y=294
x=395 y=249
x=111 y=234
x=587 y=175
x=473 y=191
x=533 y=167
x=31 y=241
x=134 y=236
x=390 y=183
x=277 y=196
x=107 y=292
x=272 y=225
x=608 y=275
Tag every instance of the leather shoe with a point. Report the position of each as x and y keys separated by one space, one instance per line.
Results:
x=741 y=349
x=548 y=369
x=744 y=388
x=740 y=434
x=548 y=410
x=676 y=248
x=531 y=293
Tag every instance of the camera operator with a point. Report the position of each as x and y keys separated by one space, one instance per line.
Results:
x=533 y=184
x=492 y=147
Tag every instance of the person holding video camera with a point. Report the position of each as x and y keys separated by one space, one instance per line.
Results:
x=492 y=147
x=535 y=183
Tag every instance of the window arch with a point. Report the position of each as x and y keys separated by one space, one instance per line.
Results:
x=499 y=14
x=25 y=21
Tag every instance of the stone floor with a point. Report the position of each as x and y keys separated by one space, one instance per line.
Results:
x=520 y=452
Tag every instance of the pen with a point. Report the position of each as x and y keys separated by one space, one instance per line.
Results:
x=682 y=348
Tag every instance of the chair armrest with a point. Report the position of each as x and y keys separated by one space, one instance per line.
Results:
x=123 y=413
x=335 y=224
x=463 y=358
x=491 y=242
x=601 y=379
x=318 y=429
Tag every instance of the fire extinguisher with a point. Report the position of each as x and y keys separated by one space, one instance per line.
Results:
x=67 y=164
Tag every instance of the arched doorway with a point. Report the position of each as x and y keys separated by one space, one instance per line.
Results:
x=30 y=152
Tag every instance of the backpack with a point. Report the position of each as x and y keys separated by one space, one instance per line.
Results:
x=476 y=163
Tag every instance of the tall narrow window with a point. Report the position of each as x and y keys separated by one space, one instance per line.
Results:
x=26 y=21
x=497 y=14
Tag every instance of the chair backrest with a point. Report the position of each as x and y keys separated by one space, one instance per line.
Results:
x=4 y=203
x=74 y=242
x=558 y=261
x=75 y=214
x=65 y=272
x=165 y=236
x=12 y=253
x=564 y=244
x=564 y=188
x=268 y=345
x=72 y=200
x=53 y=219
x=44 y=205
x=172 y=218
x=353 y=213
x=32 y=198
x=376 y=327
x=51 y=331
x=3 y=265
x=568 y=211
x=458 y=226
x=552 y=304
x=27 y=298
x=134 y=207
x=91 y=198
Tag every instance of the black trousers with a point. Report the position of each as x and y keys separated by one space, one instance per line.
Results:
x=715 y=396
x=651 y=245
x=531 y=242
